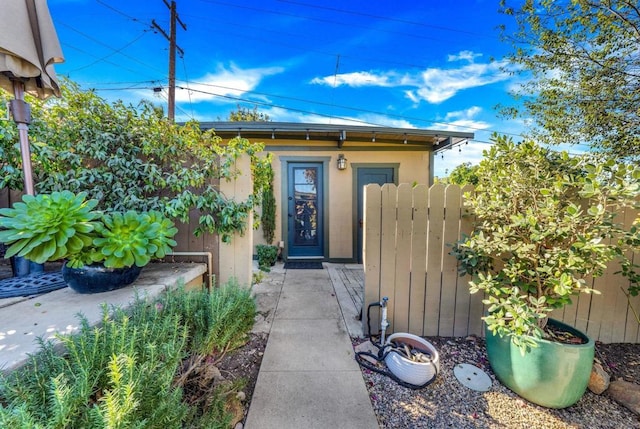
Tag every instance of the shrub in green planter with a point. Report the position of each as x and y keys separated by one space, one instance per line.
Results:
x=267 y=255
x=544 y=221
x=63 y=225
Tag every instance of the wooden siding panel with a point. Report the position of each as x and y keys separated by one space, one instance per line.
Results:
x=450 y=234
x=463 y=297
x=434 y=260
x=583 y=305
x=418 y=259
x=372 y=253
x=388 y=247
x=605 y=285
x=402 y=259
x=476 y=307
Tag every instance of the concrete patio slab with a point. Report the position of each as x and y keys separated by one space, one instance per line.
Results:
x=42 y=316
x=316 y=345
x=310 y=400
x=308 y=305
x=307 y=280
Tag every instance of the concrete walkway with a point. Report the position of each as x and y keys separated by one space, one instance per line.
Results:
x=308 y=378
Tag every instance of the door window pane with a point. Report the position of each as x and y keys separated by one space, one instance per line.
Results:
x=306 y=212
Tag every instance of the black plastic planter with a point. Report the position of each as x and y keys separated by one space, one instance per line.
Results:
x=97 y=278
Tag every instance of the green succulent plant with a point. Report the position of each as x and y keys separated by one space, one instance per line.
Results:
x=63 y=225
x=49 y=227
x=133 y=238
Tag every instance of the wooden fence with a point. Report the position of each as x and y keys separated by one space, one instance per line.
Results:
x=406 y=246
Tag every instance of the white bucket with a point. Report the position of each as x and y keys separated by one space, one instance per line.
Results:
x=416 y=373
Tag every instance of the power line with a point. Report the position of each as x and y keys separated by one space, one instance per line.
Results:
x=115 y=51
x=118 y=65
x=320 y=103
x=385 y=18
x=184 y=67
x=306 y=49
x=322 y=20
x=129 y=17
x=331 y=104
x=101 y=43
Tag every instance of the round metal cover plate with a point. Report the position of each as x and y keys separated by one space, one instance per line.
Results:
x=472 y=377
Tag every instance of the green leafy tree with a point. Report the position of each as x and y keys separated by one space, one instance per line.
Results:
x=244 y=114
x=582 y=63
x=464 y=174
x=543 y=222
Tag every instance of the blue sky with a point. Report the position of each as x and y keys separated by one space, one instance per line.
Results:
x=415 y=64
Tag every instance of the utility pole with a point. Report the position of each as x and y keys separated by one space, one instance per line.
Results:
x=171 y=37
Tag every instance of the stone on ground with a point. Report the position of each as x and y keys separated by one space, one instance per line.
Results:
x=626 y=394
x=599 y=381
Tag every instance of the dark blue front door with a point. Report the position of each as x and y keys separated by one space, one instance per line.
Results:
x=305 y=221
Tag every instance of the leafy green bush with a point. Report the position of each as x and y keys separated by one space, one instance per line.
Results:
x=123 y=373
x=218 y=321
x=267 y=256
x=130 y=158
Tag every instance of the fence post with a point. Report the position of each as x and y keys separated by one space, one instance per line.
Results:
x=235 y=258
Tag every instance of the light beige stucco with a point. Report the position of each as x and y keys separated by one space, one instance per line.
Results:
x=340 y=191
x=233 y=256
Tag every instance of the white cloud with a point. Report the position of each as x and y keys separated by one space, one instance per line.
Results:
x=278 y=114
x=225 y=81
x=464 y=55
x=433 y=85
x=464 y=120
x=358 y=79
x=438 y=85
x=467 y=113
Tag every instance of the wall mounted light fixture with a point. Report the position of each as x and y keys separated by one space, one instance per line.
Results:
x=342 y=162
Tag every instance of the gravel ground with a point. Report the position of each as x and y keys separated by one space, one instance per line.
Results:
x=446 y=403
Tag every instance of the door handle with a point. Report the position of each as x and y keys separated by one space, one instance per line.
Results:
x=290 y=215
x=361 y=223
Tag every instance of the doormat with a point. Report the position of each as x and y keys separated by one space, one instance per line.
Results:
x=31 y=285
x=303 y=265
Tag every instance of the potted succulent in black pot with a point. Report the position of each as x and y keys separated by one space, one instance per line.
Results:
x=103 y=251
x=543 y=222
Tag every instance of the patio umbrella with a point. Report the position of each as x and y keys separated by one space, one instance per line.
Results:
x=28 y=49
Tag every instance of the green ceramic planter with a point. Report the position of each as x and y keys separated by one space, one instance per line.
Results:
x=553 y=375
